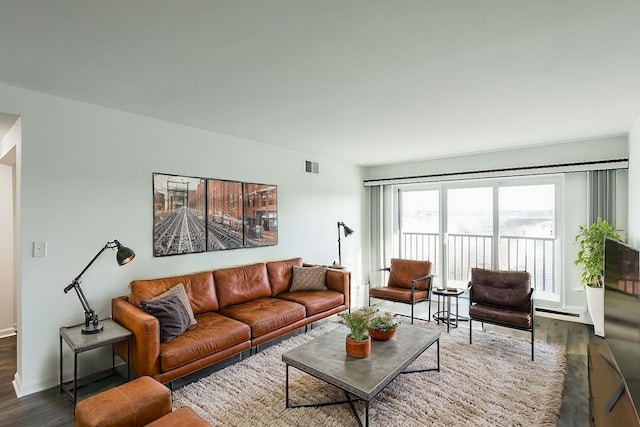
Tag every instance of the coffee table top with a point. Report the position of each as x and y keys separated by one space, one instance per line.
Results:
x=325 y=358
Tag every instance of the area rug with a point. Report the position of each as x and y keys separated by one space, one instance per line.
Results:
x=492 y=382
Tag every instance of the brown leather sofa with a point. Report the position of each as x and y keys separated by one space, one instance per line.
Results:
x=236 y=309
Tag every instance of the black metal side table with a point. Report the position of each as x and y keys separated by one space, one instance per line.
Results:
x=444 y=315
x=79 y=343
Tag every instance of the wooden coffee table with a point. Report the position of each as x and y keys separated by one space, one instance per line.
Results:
x=325 y=358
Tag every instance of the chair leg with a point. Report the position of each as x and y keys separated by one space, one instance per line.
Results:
x=412 y=314
x=532 y=341
x=470 y=330
x=429 y=318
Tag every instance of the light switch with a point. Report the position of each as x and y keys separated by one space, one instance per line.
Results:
x=39 y=249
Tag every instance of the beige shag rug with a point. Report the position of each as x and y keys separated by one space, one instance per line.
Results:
x=490 y=383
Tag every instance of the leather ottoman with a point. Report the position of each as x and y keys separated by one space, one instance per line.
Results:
x=143 y=401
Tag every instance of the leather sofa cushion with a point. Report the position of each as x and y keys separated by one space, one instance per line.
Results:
x=265 y=315
x=403 y=271
x=211 y=334
x=198 y=286
x=280 y=274
x=315 y=301
x=397 y=294
x=511 y=289
x=492 y=314
x=236 y=285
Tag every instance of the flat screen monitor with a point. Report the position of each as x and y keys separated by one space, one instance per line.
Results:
x=622 y=311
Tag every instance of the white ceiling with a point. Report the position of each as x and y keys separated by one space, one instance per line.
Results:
x=372 y=82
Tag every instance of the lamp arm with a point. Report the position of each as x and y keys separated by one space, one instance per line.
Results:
x=109 y=245
x=339 y=246
x=83 y=300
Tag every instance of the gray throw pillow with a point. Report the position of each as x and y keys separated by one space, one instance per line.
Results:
x=171 y=314
x=308 y=278
x=182 y=294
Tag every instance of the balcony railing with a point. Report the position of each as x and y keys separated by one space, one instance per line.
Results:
x=465 y=251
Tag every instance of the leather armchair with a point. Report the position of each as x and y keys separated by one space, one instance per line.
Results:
x=409 y=283
x=503 y=298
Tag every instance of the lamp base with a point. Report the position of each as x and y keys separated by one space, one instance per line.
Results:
x=92 y=328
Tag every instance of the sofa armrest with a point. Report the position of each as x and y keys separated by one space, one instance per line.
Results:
x=339 y=281
x=145 y=343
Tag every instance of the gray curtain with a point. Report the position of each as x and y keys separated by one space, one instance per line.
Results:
x=376 y=234
x=601 y=195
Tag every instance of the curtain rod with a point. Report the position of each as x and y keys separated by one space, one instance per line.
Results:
x=504 y=172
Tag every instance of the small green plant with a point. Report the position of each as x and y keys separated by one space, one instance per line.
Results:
x=358 y=321
x=385 y=322
x=591 y=253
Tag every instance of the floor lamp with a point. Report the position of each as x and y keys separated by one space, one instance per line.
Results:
x=91 y=323
x=347 y=232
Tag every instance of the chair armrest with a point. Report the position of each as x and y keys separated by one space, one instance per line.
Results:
x=421 y=278
x=145 y=342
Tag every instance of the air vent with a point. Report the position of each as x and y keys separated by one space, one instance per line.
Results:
x=311 y=167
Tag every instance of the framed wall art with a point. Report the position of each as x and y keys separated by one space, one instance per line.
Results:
x=193 y=215
x=260 y=214
x=224 y=215
x=179 y=225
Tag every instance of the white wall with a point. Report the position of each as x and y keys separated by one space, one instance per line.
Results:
x=574 y=197
x=85 y=178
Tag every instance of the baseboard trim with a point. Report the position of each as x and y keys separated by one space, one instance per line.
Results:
x=8 y=332
x=17 y=385
x=560 y=313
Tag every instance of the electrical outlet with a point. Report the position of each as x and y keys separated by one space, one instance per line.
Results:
x=39 y=249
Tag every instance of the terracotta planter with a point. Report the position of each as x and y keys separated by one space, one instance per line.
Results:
x=381 y=335
x=358 y=349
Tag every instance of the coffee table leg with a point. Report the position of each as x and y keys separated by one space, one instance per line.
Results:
x=366 y=413
x=286 y=387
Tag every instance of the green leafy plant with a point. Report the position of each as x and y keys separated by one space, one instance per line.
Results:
x=591 y=253
x=358 y=321
x=384 y=322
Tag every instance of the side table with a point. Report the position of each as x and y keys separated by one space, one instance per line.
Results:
x=444 y=315
x=79 y=343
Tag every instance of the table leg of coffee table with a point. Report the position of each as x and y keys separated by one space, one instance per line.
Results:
x=286 y=387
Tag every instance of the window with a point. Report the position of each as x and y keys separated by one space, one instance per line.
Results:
x=507 y=224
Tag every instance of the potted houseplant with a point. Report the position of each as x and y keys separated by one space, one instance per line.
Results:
x=358 y=342
x=591 y=258
x=383 y=327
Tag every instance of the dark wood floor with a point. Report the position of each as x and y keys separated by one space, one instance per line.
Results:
x=50 y=409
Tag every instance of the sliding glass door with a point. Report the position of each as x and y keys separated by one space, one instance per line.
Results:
x=509 y=225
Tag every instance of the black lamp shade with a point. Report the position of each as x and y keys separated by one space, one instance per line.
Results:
x=347 y=231
x=124 y=255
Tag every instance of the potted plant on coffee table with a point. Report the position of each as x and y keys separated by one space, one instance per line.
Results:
x=591 y=258
x=358 y=342
x=383 y=327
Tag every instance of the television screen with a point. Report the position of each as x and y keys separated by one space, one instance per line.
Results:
x=622 y=311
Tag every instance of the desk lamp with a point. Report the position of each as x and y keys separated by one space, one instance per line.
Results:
x=91 y=323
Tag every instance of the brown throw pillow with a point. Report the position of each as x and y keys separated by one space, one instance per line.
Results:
x=308 y=278
x=178 y=290
x=171 y=314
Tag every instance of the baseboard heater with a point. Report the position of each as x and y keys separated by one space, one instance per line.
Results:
x=561 y=313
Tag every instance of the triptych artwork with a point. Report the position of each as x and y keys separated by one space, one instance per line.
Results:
x=200 y=214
